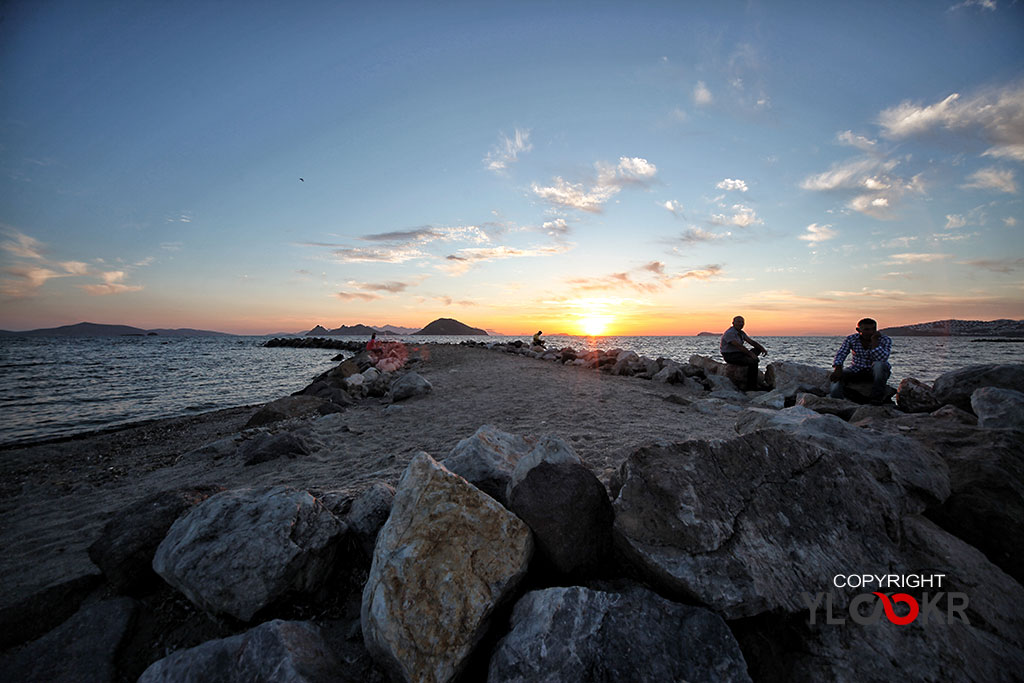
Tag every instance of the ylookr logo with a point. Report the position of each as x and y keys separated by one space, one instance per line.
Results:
x=899 y=608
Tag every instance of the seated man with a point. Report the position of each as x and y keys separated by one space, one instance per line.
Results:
x=537 y=341
x=870 y=361
x=735 y=353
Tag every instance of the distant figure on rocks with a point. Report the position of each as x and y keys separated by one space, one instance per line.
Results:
x=537 y=341
x=735 y=353
x=374 y=347
x=870 y=361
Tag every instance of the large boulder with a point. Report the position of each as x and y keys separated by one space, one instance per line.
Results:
x=83 y=648
x=240 y=550
x=916 y=476
x=788 y=376
x=279 y=651
x=840 y=407
x=566 y=506
x=913 y=396
x=487 y=458
x=736 y=373
x=368 y=514
x=409 y=385
x=291 y=407
x=124 y=551
x=570 y=634
x=447 y=557
x=743 y=526
x=41 y=612
x=998 y=408
x=957 y=386
x=264 y=447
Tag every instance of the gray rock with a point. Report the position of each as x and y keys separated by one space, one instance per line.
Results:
x=575 y=634
x=409 y=385
x=265 y=447
x=825 y=405
x=954 y=414
x=917 y=477
x=957 y=386
x=448 y=555
x=81 y=650
x=215 y=450
x=44 y=610
x=774 y=399
x=288 y=407
x=737 y=374
x=869 y=415
x=368 y=514
x=550 y=449
x=240 y=550
x=743 y=526
x=998 y=408
x=487 y=458
x=790 y=377
x=279 y=651
x=913 y=396
x=124 y=551
x=567 y=508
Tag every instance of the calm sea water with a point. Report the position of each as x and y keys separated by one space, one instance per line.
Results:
x=52 y=387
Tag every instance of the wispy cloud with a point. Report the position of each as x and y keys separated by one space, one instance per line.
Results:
x=983 y=4
x=918 y=258
x=393 y=287
x=741 y=216
x=701 y=95
x=113 y=283
x=996 y=265
x=610 y=181
x=1000 y=180
x=464 y=259
x=508 y=149
x=356 y=296
x=818 y=233
x=864 y=144
x=695 y=235
x=657 y=279
x=21 y=245
x=730 y=184
x=996 y=114
x=880 y=191
x=384 y=255
x=673 y=207
x=559 y=226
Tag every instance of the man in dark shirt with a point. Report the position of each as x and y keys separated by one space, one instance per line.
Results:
x=870 y=361
x=735 y=353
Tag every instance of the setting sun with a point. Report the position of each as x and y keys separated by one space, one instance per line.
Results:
x=594 y=325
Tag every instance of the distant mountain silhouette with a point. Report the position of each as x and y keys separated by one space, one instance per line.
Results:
x=100 y=330
x=448 y=326
x=396 y=329
x=343 y=331
x=959 y=328
x=708 y=334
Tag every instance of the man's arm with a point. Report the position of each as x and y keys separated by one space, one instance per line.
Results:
x=837 y=363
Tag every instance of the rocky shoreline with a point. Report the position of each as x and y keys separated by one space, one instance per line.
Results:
x=472 y=513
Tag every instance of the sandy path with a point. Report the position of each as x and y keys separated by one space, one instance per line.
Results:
x=57 y=496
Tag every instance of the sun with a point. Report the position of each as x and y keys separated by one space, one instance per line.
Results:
x=594 y=325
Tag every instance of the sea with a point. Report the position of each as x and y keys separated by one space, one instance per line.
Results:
x=63 y=386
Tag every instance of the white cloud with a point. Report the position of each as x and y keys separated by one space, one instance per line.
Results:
x=112 y=284
x=855 y=173
x=22 y=245
x=695 y=235
x=673 y=206
x=1010 y=221
x=847 y=137
x=983 y=4
x=730 y=184
x=508 y=149
x=997 y=114
x=819 y=233
x=610 y=180
x=356 y=296
x=918 y=258
x=463 y=259
x=635 y=168
x=1000 y=180
x=955 y=221
x=701 y=94
x=742 y=216
x=360 y=255
x=559 y=226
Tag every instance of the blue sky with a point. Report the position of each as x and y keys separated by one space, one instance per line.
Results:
x=602 y=167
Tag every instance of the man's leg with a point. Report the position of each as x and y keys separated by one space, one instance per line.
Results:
x=849 y=375
x=880 y=372
x=737 y=358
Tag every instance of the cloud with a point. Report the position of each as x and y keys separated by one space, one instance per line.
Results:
x=1000 y=180
x=22 y=245
x=655 y=267
x=1010 y=221
x=847 y=137
x=427 y=234
x=556 y=227
x=661 y=282
x=673 y=206
x=955 y=221
x=171 y=246
x=918 y=258
x=508 y=149
x=706 y=273
x=112 y=284
x=732 y=185
x=695 y=235
x=393 y=287
x=996 y=265
x=742 y=216
x=26 y=279
x=818 y=233
x=464 y=259
x=996 y=114
x=855 y=174
x=983 y=4
x=610 y=180
x=75 y=267
x=357 y=296
x=701 y=94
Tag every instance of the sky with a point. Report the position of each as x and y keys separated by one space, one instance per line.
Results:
x=588 y=168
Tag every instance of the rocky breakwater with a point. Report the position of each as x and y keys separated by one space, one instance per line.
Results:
x=315 y=343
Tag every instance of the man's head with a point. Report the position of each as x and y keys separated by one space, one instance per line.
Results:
x=738 y=322
x=867 y=327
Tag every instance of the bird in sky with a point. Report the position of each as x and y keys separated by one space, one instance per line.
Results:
x=302 y=179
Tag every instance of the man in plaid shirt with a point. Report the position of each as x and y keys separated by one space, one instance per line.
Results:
x=870 y=361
